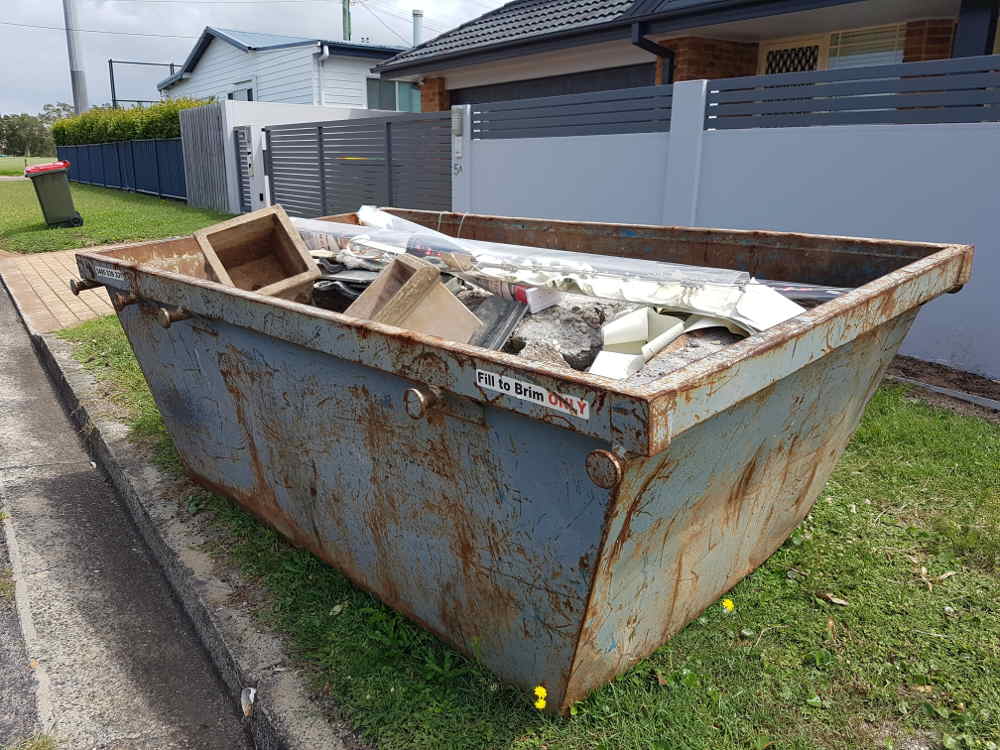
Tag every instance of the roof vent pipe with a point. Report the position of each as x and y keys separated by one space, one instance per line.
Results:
x=418 y=27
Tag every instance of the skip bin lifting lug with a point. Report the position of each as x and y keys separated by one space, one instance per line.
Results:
x=604 y=468
x=122 y=299
x=418 y=400
x=170 y=315
x=76 y=285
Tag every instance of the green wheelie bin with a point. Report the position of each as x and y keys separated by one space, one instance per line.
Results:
x=52 y=188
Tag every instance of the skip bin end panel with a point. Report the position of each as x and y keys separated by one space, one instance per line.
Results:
x=691 y=522
x=479 y=523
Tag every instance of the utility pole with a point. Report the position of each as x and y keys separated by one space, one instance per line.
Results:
x=76 y=78
x=345 y=6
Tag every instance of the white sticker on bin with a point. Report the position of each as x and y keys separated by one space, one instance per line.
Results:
x=108 y=272
x=572 y=405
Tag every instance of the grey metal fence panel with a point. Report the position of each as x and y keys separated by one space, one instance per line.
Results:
x=317 y=169
x=940 y=91
x=294 y=174
x=204 y=156
x=244 y=160
x=644 y=109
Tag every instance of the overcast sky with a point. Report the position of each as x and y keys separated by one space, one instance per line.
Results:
x=34 y=70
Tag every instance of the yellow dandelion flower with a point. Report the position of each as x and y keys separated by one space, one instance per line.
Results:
x=540 y=704
x=728 y=605
x=541 y=692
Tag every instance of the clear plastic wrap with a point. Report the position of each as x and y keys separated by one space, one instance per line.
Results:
x=676 y=287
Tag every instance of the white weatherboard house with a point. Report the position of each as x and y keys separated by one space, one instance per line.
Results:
x=253 y=66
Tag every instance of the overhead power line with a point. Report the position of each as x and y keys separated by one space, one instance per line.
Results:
x=382 y=9
x=385 y=25
x=95 y=31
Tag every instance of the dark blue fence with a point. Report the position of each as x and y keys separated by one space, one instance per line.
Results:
x=154 y=166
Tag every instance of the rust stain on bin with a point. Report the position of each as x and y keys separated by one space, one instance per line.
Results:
x=555 y=550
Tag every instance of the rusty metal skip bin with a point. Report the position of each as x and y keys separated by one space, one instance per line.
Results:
x=557 y=525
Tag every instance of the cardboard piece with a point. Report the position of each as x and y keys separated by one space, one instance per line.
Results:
x=260 y=252
x=409 y=294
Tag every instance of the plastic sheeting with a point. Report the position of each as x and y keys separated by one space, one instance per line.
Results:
x=731 y=295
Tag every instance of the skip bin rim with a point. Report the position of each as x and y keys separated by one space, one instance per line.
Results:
x=635 y=420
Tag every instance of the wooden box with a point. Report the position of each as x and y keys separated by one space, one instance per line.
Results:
x=260 y=252
x=409 y=294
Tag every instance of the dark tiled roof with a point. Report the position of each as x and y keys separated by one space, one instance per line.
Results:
x=517 y=20
x=653 y=7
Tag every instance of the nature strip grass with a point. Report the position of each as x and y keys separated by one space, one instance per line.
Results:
x=877 y=624
x=108 y=215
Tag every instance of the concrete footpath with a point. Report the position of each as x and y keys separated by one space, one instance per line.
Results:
x=94 y=650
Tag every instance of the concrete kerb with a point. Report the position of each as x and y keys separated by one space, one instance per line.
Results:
x=284 y=717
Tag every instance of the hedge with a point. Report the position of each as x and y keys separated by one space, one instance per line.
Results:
x=104 y=125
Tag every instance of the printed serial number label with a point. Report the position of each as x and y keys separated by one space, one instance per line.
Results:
x=492 y=381
x=109 y=273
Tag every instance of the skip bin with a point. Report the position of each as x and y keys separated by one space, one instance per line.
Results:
x=558 y=526
x=52 y=190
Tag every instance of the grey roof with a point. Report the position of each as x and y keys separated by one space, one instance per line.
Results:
x=257 y=40
x=517 y=20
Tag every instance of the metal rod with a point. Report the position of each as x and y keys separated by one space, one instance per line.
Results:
x=111 y=74
x=140 y=62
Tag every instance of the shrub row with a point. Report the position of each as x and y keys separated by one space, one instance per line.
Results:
x=104 y=125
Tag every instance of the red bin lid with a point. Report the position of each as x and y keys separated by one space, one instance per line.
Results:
x=51 y=166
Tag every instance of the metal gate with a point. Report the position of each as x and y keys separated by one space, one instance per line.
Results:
x=244 y=165
x=203 y=142
x=322 y=168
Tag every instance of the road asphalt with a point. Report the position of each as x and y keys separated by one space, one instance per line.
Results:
x=94 y=651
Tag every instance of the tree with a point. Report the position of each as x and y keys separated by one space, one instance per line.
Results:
x=25 y=134
x=52 y=112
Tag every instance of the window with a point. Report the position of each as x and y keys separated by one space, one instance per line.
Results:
x=242 y=91
x=395 y=96
x=878 y=45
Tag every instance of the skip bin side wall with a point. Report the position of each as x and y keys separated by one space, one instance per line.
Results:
x=478 y=523
x=692 y=521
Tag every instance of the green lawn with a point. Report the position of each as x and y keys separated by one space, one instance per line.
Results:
x=907 y=534
x=108 y=215
x=14 y=165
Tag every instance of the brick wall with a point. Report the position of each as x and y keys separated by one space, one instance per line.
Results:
x=929 y=39
x=696 y=57
x=434 y=95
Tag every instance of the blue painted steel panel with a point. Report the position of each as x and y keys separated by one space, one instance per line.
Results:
x=126 y=164
x=112 y=166
x=170 y=162
x=480 y=520
x=477 y=523
x=147 y=166
x=147 y=179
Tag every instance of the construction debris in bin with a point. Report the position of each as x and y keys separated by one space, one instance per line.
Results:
x=614 y=317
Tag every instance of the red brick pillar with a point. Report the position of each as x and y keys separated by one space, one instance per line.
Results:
x=434 y=95
x=929 y=39
x=696 y=57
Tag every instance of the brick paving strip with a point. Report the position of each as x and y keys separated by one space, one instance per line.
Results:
x=39 y=282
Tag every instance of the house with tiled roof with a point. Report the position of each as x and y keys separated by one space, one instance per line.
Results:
x=257 y=66
x=533 y=48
